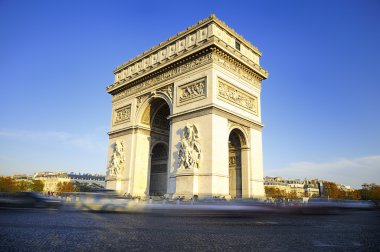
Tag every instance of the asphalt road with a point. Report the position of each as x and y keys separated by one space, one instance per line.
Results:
x=69 y=230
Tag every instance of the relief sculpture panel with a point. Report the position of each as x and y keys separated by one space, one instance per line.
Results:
x=117 y=160
x=237 y=97
x=122 y=114
x=192 y=91
x=190 y=149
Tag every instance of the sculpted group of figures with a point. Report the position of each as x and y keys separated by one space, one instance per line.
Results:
x=194 y=90
x=117 y=159
x=190 y=150
x=189 y=153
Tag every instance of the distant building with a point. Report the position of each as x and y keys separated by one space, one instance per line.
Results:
x=345 y=188
x=312 y=187
x=297 y=186
x=51 y=179
x=22 y=177
x=300 y=187
x=276 y=182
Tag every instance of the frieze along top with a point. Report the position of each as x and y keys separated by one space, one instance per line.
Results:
x=208 y=31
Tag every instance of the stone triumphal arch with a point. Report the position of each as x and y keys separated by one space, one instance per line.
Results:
x=186 y=117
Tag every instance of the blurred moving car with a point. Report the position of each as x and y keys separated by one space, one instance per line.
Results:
x=341 y=204
x=28 y=199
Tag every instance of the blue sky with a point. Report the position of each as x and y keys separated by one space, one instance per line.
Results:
x=320 y=104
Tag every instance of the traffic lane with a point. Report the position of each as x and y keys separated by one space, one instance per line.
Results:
x=39 y=229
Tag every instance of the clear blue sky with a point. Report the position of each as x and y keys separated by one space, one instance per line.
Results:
x=320 y=104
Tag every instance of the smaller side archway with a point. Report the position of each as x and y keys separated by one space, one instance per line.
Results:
x=237 y=163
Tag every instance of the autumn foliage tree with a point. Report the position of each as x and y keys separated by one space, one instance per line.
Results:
x=292 y=195
x=275 y=193
x=331 y=190
x=22 y=185
x=7 y=184
x=65 y=187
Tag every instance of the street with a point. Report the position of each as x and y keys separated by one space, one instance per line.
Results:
x=73 y=230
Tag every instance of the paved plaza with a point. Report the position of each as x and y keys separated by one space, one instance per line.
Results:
x=72 y=230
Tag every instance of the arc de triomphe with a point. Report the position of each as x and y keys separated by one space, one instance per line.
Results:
x=186 y=117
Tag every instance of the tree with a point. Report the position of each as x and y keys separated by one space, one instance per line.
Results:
x=370 y=192
x=37 y=186
x=375 y=192
x=292 y=195
x=86 y=187
x=330 y=189
x=353 y=195
x=275 y=193
x=22 y=185
x=7 y=184
x=65 y=187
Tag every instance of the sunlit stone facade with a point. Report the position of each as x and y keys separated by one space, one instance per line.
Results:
x=186 y=117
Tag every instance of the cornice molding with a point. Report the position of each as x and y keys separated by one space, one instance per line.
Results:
x=210 y=31
x=146 y=130
x=213 y=54
x=123 y=89
x=211 y=19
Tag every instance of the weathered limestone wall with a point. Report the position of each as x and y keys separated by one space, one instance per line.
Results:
x=256 y=176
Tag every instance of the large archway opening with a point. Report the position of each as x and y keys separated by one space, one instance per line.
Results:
x=235 y=143
x=156 y=115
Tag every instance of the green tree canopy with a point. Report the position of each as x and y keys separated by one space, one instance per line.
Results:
x=37 y=186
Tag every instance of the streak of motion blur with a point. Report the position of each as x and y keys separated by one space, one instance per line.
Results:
x=28 y=199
